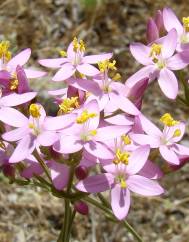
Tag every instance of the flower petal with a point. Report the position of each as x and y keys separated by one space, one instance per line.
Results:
x=120 y=201
x=171 y=21
x=47 y=138
x=15 y=99
x=143 y=139
x=178 y=61
x=24 y=148
x=87 y=69
x=141 y=53
x=95 y=184
x=20 y=59
x=93 y=59
x=144 y=186
x=168 y=83
x=13 y=117
x=151 y=171
x=138 y=159
x=59 y=175
x=16 y=134
x=169 y=155
x=66 y=71
x=53 y=63
x=152 y=32
x=169 y=43
x=34 y=73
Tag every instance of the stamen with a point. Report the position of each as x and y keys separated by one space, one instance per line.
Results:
x=2 y=145
x=78 y=46
x=93 y=132
x=177 y=133
x=34 y=110
x=107 y=65
x=168 y=120
x=69 y=104
x=85 y=116
x=185 y=21
x=123 y=183
x=63 y=53
x=4 y=51
x=122 y=157
x=126 y=139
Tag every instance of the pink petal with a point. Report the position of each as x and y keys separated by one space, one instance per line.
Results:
x=120 y=201
x=34 y=73
x=120 y=119
x=138 y=159
x=95 y=184
x=178 y=61
x=53 y=63
x=16 y=134
x=144 y=186
x=87 y=69
x=13 y=117
x=70 y=52
x=59 y=175
x=152 y=32
x=168 y=83
x=124 y=104
x=143 y=139
x=169 y=132
x=66 y=71
x=169 y=155
x=47 y=138
x=159 y=20
x=23 y=83
x=169 y=43
x=59 y=122
x=181 y=150
x=171 y=21
x=145 y=72
x=149 y=127
x=93 y=59
x=15 y=99
x=111 y=132
x=99 y=150
x=68 y=144
x=151 y=170
x=33 y=168
x=24 y=148
x=141 y=53
x=20 y=59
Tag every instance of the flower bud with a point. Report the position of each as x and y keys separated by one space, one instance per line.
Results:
x=81 y=208
x=8 y=170
x=81 y=172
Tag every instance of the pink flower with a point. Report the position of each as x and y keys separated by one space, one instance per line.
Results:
x=10 y=64
x=85 y=133
x=31 y=132
x=160 y=63
x=165 y=140
x=172 y=22
x=75 y=61
x=121 y=178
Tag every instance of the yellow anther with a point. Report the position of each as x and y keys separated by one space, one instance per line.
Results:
x=14 y=84
x=177 y=133
x=69 y=104
x=155 y=50
x=2 y=145
x=85 y=116
x=123 y=157
x=126 y=139
x=93 y=132
x=34 y=110
x=116 y=77
x=31 y=126
x=168 y=120
x=107 y=65
x=116 y=161
x=81 y=45
x=185 y=21
x=63 y=53
x=123 y=183
x=4 y=50
x=78 y=46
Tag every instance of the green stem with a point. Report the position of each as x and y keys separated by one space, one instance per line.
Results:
x=71 y=223
x=107 y=210
x=42 y=163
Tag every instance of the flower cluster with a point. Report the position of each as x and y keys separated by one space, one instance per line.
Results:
x=99 y=140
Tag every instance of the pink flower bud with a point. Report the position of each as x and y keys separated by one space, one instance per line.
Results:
x=152 y=32
x=81 y=172
x=8 y=170
x=159 y=20
x=81 y=208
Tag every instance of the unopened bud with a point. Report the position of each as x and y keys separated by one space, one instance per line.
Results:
x=81 y=208
x=81 y=172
